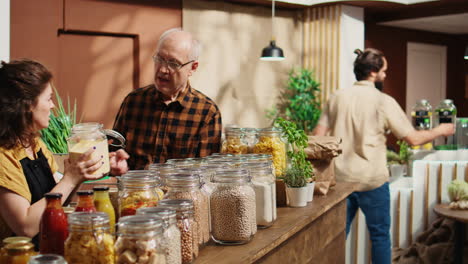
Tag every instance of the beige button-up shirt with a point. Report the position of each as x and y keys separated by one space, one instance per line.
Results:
x=361 y=115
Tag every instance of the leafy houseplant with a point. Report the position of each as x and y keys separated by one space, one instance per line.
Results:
x=299 y=101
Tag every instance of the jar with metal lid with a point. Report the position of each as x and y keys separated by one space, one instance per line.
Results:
x=250 y=138
x=18 y=253
x=171 y=233
x=186 y=225
x=270 y=142
x=263 y=182
x=12 y=240
x=148 y=173
x=185 y=184
x=85 y=201
x=232 y=207
x=233 y=142
x=162 y=169
x=137 y=191
x=53 y=229
x=445 y=112
x=139 y=240
x=421 y=115
x=89 y=239
x=47 y=259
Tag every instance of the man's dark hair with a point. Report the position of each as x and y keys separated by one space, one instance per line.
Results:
x=21 y=83
x=367 y=61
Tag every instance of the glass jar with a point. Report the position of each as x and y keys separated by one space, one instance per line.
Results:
x=47 y=259
x=186 y=225
x=11 y=240
x=233 y=141
x=270 y=142
x=86 y=136
x=445 y=112
x=90 y=240
x=250 y=138
x=103 y=203
x=263 y=182
x=185 y=184
x=421 y=115
x=147 y=173
x=139 y=240
x=162 y=170
x=171 y=233
x=232 y=207
x=53 y=230
x=85 y=201
x=136 y=192
x=18 y=253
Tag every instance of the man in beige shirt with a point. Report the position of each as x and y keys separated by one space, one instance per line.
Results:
x=361 y=116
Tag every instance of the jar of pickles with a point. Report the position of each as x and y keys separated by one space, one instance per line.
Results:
x=232 y=207
x=137 y=191
x=18 y=253
x=185 y=184
x=89 y=239
x=186 y=225
x=270 y=142
x=233 y=142
x=171 y=233
x=47 y=259
x=139 y=240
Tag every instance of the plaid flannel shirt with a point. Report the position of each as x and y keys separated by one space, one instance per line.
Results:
x=190 y=126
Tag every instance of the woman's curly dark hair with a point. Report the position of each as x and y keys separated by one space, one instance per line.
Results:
x=21 y=83
x=367 y=61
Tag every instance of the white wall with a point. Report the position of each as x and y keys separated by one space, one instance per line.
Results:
x=5 y=30
x=351 y=38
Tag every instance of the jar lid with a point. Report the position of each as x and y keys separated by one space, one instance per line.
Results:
x=47 y=258
x=95 y=220
x=19 y=247
x=237 y=175
x=84 y=192
x=53 y=195
x=139 y=223
x=82 y=127
x=16 y=239
x=179 y=205
x=158 y=211
x=100 y=188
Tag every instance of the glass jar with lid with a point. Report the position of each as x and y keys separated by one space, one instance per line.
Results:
x=250 y=138
x=185 y=184
x=445 y=112
x=421 y=115
x=186 y=225
x=263 y=182
x=233 y=142
x=232 y=207
x=139 y=240
x=270 y=142
x=85 y=201
x=137 y=191
x=18 y=253
x=171 y=233
x=89 y=239
x=47 y=259
x=12 y=240
x=162 y=169
x=86 y=136
x=148 y=173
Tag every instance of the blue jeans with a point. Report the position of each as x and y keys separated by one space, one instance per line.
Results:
x=375 y=204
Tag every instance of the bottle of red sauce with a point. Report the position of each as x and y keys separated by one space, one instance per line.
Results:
x=85 y=201
x=54 y=226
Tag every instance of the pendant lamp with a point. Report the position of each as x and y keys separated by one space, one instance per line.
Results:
x=272 y=52
x=466 y=53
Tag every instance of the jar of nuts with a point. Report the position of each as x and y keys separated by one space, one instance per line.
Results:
x=139 y=240
x=186 y=225
x=171 y=233
x=232 y=207
x=185 y=184
x=89 y=239
x=270 y=142
x=233 y=142
x=137 y=190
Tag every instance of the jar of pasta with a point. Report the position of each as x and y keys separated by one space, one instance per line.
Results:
x=186 y=225
x=233 y=141
x=270 y=142
x=185 y=184
x=89 y=239
x=139 y=240
x=171 y=233
x=137 y=191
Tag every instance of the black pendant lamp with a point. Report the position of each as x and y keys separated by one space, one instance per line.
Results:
x=466 y=53
x=272 y=52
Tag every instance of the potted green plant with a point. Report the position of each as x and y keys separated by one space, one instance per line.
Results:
x=398 y=162
x=300 y=171
x=56 y=134
x=299 y=102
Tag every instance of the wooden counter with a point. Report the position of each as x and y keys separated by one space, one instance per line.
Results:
x=315 y=233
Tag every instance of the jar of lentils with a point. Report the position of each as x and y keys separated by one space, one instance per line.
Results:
x=139 y=240
x=171 y=233
x=186 y=225
x=232 y=207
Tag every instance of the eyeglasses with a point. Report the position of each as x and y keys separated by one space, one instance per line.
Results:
x=171 y=65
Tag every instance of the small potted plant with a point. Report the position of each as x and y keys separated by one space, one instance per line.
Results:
x=300 y=170
x=398 y=162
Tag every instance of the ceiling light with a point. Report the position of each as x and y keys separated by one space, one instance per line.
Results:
x=272 y=52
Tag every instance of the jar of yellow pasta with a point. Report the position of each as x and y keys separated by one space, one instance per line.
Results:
x=271 y=142
x=89 y=239
x=233 y=142
x=136 y=191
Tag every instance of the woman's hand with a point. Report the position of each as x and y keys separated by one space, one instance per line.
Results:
x=118 y=162
x=81 y=169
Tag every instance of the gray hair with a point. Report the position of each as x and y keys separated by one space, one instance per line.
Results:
x=195 y=49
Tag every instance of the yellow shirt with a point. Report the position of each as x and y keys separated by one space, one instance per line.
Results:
x=361 y=115
x=12 y=176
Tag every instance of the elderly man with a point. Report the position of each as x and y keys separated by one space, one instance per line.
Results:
x=361 y=115
x=170 y=119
